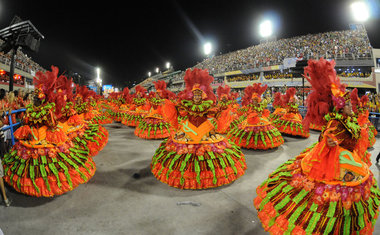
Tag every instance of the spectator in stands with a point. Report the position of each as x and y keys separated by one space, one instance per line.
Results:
x=348 y=44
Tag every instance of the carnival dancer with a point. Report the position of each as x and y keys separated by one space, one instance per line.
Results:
x=153 y=126
x=328 y=188
x=291 y=122
x=44 y=162
x=255 y=131
x=138 y=109
x=279 y=107
x=227 y=106
x=196 y=157
x=361 y=109
x=95 y=135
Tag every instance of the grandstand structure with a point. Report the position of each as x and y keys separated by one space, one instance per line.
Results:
x=275 y=63
x=25 y=69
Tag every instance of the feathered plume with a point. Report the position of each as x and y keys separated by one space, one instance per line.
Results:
x=199 y=79
x=160 y=85
x=140 y=89
x=256 y=88
x=223 y=91
x=322 y=77
x=355 y=101
x=364 y=100
x=290 y=93
x=277 y=102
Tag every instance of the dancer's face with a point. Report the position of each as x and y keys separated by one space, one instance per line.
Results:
x=347 y=110
x=197 y=96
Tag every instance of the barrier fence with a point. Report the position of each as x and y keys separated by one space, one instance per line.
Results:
x=11 y=125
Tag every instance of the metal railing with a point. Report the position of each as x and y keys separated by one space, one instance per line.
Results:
x=12 y=125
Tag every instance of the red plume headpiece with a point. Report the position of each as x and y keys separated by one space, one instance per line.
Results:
x=197 y=79
x=327 y=91
x=277 y=102
x=253 y=92
x=355 y=101
x=224 y=91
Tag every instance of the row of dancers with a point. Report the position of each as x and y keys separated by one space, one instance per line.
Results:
x=327 y=189
x=59 y=136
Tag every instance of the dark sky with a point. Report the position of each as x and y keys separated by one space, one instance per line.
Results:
x=126 y=39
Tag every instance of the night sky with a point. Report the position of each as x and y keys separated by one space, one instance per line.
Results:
x=127 y=41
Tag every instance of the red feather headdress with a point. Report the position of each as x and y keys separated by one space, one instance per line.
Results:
x=197 y=79
x=327 y=92
x=355 y=101
x=289 y=96
x=224 y=91
x=277 y=102
x=253 y=92
x=140 y=90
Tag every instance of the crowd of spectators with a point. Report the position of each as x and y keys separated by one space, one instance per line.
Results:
x=347 y=44
x=22 y=62
x=239 y=78
x=277 y=75
x=354 y=74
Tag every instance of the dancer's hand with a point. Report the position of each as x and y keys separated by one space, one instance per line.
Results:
x=331 y=143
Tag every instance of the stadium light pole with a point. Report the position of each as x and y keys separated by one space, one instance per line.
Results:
x=266 y=29
x=360 y=11
x=149 y=73
x=157 y=70
x=168 y=65
x=207 y=48
x=98 y=80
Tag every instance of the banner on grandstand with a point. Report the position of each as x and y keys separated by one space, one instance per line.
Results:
x=290 y=62
x=236 y=72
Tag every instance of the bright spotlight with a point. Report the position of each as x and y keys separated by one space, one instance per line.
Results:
x=360 y=11
x=265 y=29
x=157 y=70
x=98 y=79
x=149 y=73
x=207 y=48
x=167 y=65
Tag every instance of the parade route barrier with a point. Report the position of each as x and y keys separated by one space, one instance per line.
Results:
x=12 y=125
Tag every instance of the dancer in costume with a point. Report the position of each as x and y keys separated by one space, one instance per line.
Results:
x=97 y=106
x=255 y=131
x=291 y=122
x=196 y=157
x=226 y=108
x=153 y=126
x=278 y=105
x=139 y=108
x=125 y=103
x=361 y=109
x=328 y=188
x=44 y=162
x=113 y=106
x=95 y=135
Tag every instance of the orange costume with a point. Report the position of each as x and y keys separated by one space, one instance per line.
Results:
x=278 y=105
x=45 y=162
x=328 y=188
x=291 y=122
x=361 y=107
x=255 y=130
x=227 y=107
x=138 y=109
x=153 y=126
x=196 y=157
